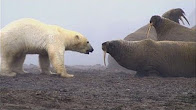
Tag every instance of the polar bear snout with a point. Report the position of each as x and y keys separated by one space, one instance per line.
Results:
x=89 y=50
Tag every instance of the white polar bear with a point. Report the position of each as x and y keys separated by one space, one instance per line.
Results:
x=29 y=36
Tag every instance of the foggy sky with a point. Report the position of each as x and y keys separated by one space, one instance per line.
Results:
x=98 y=20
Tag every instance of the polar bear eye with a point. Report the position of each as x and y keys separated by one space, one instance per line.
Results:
x=87 y=42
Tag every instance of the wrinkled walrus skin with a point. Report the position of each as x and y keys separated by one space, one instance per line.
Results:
x=147 y=57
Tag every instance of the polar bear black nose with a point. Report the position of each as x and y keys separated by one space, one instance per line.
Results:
x=91 y=50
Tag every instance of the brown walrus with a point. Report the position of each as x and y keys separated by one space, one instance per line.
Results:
x=140 y=34
x=163 y=58
x=169 y=30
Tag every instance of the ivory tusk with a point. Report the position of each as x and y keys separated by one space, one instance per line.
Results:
x=185 y=19
x=149 y=28
x=104 y=55
x=181 y=20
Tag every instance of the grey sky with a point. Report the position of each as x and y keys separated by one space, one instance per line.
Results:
x=98 y=20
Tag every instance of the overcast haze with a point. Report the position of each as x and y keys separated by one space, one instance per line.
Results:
x=98 y=20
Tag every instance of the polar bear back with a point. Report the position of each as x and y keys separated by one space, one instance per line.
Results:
x=29 y=35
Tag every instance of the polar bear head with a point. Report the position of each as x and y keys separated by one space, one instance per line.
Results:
x=80 y=43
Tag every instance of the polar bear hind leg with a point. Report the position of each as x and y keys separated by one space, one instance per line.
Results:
x=17 y=65
x=44 y=64
x=6 y=65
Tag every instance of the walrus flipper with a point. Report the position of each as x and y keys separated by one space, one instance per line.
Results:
x=149 y=73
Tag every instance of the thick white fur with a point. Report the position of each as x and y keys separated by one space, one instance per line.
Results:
x=29 y=36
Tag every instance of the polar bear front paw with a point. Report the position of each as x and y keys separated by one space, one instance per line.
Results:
x=21 y=71
x=12 y=74
x=66 y=75
x=47 y=72
x=9 y=74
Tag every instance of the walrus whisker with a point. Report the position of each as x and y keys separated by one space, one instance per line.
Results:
x=181 y=20
x=185 y=19
x=149 y=28
x=104 y=55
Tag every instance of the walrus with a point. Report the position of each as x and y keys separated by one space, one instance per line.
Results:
x=149 y=57
x=173 y=15
x=169 y=30
x=140 y=34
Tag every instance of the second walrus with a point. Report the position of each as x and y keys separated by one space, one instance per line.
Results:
x=169 y=30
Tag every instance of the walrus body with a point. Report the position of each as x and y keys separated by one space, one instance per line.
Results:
x=164 y=58
x=140 y=34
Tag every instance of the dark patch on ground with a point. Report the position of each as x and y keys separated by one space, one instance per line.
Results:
x=96 y=88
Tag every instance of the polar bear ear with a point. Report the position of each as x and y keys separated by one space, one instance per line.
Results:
x=77 y=37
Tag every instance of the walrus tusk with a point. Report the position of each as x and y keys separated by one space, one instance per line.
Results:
x=185 y=19
x=149 y=28
x=181 y=20
x=104 y=54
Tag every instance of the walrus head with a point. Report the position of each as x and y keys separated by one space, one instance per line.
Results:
x=128 y=54
x=154 y=21
x=109 y=47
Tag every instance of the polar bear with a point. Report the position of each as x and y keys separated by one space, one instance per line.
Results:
x=30 y=36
